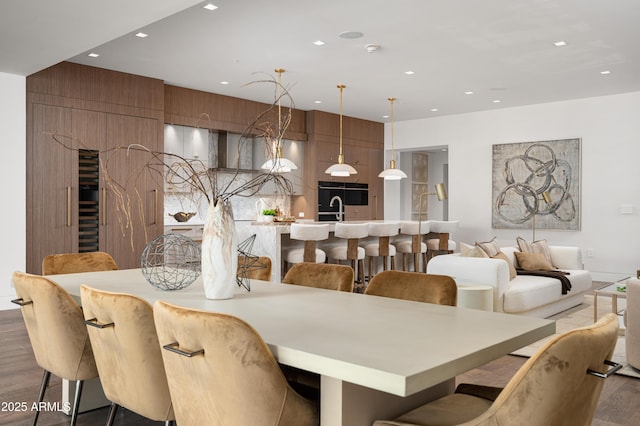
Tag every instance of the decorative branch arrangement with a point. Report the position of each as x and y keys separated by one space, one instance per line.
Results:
x=193 y=175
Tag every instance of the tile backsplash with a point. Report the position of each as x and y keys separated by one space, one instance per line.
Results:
x=244 y=208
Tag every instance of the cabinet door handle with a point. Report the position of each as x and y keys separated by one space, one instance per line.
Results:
x=103 y=207
x=155 y=207
x=68 y=206
x=375 y=212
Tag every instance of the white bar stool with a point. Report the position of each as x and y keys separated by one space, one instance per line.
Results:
x=441 y=229
x=415 y=245
x=382 y=248
x=352 y=232
x=310 y=234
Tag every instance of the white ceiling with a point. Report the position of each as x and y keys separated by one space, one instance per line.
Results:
x=499 y=49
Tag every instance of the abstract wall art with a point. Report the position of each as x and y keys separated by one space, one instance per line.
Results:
x=537 y=184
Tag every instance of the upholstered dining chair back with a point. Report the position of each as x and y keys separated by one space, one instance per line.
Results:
x=558 y=385
x=56 y=329
x=330 y=276
x=221 y=372
x=255 y=268
x=430 y=288
x=127 y=352
x=70 y=263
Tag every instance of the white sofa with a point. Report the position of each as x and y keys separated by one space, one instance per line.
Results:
x=525 y=294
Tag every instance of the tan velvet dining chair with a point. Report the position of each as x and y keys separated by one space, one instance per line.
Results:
x=559 y=385
x=70 y=263
x=430 y=288
x=220 y=372
x=330 y=276
x=255 y=269
x=127 y=353
x=57 y=334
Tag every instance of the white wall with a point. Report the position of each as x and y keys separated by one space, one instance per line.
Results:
x=610 y=131
x=12 y=174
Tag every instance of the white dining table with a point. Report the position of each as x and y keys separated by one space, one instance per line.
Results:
x=377 y=357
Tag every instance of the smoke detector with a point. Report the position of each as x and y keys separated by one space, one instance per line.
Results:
x=371 y=48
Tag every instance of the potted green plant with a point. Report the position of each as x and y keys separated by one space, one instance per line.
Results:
x=268 y=215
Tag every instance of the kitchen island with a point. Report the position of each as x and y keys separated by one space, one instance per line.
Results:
x=273 y=238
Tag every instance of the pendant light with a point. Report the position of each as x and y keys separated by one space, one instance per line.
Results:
x=341 y=168
x=392 y=173
x=278 y=164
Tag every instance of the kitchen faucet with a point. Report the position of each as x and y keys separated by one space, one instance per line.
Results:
x=340 y=214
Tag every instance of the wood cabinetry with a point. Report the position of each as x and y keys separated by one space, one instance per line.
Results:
x=363 y=145
x=83 y=107
x=192 y=231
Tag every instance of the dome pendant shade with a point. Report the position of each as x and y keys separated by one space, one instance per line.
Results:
x=279 y=164
x=392 y=173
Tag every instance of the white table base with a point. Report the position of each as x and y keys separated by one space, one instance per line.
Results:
x=348 y=404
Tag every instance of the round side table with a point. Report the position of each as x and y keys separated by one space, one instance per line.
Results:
x=475 y=296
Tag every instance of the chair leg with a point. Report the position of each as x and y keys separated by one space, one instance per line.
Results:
x=112 y=413
x=361 y=272
x=43 y=388
x=393 y=263
x=404 y=261
x=416 y=262
x=424 y=262
x=76 y=402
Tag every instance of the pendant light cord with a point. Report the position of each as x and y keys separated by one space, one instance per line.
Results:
x=393 y=155
x=341 y=157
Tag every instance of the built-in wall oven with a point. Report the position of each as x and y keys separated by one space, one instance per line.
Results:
x=334 y=196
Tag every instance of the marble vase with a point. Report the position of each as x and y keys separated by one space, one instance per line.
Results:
x=219 y=251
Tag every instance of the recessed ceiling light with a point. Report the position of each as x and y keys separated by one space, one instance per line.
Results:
x=385 y=116
x=350 y=34
x=496 y=101
x=319 y=43
x=468 y=92
x=93 y=55
x=224 y=82
x=142 y=35
x=409 y=72
x=605 y=72
x=560 y=43
x=434 y=109
x=317 y=102
x=210 y=6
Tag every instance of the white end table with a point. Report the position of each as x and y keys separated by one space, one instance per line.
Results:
x=475 y=296
x=611 y=291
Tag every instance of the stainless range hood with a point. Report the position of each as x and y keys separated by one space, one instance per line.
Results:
x=228 y=151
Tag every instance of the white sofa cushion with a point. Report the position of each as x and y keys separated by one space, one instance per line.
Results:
x=528 y=292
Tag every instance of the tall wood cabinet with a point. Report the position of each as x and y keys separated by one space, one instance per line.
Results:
x=70 y=206
x=363 y=148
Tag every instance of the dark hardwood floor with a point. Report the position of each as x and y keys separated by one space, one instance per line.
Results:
x=21 y=376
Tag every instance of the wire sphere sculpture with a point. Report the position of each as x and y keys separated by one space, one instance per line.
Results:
x=171 y=262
